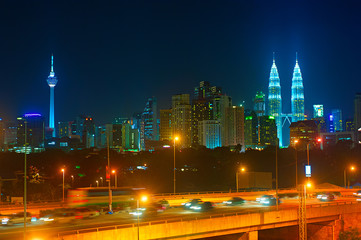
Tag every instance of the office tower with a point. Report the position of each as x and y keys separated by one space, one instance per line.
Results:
x=349 y=125
x=149 y=119
x=337 y=120
x=88 y=134
x=35 y=131
x=181 y=119
x=267 y=130
x=11 y=132
x=317 y=111
x=331 y=123
x=275 y=99
x=259 y=104
x=130 y=138
x=201 y=110
x=297 y=98
x=64 y=129
x=52 y=81
x=305 y=132
x=219 y=105
x=321 y=124
x=209 y=133
x=357 y=116
x=204 y=90
x=234 y=126
x=250 y=129
x=165 y=128
x=101 y=136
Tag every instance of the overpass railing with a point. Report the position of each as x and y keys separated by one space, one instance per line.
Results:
x=172 y=220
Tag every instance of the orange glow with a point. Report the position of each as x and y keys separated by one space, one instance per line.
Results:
x=63 y=170
x=352 y=168
x=243 y=169
x=113 y=171
x=319 y=139
x=176 y=138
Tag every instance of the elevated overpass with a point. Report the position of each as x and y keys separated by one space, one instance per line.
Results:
x=324 y=220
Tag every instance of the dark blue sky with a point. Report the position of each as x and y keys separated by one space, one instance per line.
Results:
x=110 y=56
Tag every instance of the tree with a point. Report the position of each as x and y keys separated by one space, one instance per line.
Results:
x=350 y=234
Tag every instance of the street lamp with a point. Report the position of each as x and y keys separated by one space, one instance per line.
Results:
x=143 y=198
x=115 y=178
x=72 y=180
x=63 y=170
x=97 y=182
x=295 y=143
x=242 y=169
x=101 y=180
x=175 y=139
x=352 y=168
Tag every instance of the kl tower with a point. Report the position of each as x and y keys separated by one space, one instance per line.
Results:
x=52 y=81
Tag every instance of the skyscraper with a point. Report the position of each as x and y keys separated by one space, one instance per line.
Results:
x=235 y=126
x=297 y=98
x=259 y=104
x=317 y=111
x=337 y=120
x=357 y=116
x=209 y=133
x=52 y=81
x=149 y=118
x=181 y=119
x=165 y=129
x=267 y=131
x=275 y=99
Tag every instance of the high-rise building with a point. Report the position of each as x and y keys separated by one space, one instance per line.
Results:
x=204 y=90
x=357 y=116
x=321 y=124
x=337 y=120
x=317 y=111
x=35 y=130
x=234 y=126
x=250 y=129
x=275 y=99
x=201 y=110
x=267 y=131
x=64 y=129
x=331 y=123
x=130 y=138
x=209 y=133
x=305 y=132
x=259 y=104
x=165 y=129
x=218 y=108
x=349 y=125
x=181 y=119
x=52 y=81
x=11 y=132
x=149 y=119
x=297 y=98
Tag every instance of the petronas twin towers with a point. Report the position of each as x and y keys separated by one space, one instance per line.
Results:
x=275 y=99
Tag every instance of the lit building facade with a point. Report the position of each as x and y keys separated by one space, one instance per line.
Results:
x=275 y=99
x=130 y=138
x=305 y=132
x=259 y=104
x=201 y=110
x=64 y=129
x=267 y=131
x=149 y=119
x=235 y=126
x=349 y=125
x=165 y=128
x=52 y=81
x=220 y=104
x=209 y=133
x=35 y=131
x=337 y=120
x=181 y=119
x=250 y=129
x=317 y=111
x=297 y=97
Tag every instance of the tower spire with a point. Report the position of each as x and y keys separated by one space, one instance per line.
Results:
x=273 y=57
x=52 y=63
x=296 y=57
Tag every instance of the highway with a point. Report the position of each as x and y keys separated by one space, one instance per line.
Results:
x=41 y=231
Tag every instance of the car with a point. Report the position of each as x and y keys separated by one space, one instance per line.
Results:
x=268 y=200
x=16 y=218
x=326 y=197
x=191 y=203
x=164 y=203
x=234 y=201
x=202 y=206
x=81 y=213
x=358 y=193
x=58 y=217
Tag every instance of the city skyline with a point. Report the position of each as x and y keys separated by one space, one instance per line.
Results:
x=121 y=69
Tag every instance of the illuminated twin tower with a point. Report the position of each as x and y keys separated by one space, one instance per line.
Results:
x=52 y=81
x=275 y=99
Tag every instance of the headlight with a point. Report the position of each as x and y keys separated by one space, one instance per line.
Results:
x=324 y=198
x=4 y=221
x=188 y=204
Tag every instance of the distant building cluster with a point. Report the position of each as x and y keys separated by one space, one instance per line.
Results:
x=206 y=118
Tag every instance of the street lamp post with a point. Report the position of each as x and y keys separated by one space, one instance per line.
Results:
x=242 y=170
x=25 y=144
x=72 y=180
x=63 y=170
x=175 y=139
x=277 y=173
x=101 y=180
x=352 y=168
x=295 y=142
x=97 y=182
x=115 y=178
x=143 y=199
x=108 y=173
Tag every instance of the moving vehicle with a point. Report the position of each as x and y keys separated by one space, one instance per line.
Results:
x=99 y=196
x=326 y=197
x=234 y=201
x=268 y=200
x=191 y=203
x=202 y=206
x=17 y=218
x=58 y=217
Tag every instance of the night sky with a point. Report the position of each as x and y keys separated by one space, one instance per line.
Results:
x=110 y=56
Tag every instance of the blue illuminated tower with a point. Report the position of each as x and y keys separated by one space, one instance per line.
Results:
x=275 y=99
x=52 y=81
x=297 y=98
